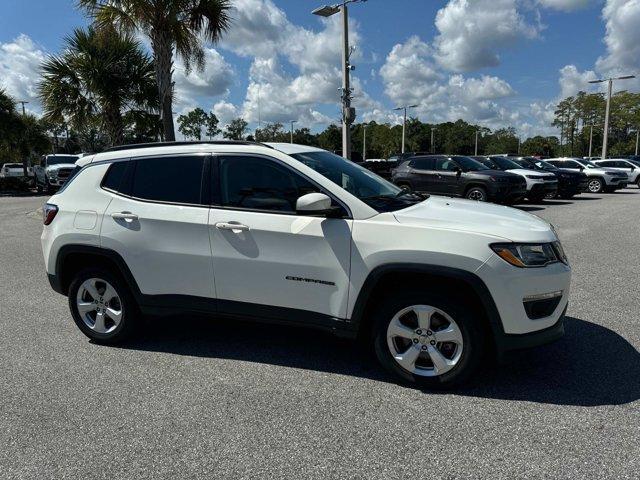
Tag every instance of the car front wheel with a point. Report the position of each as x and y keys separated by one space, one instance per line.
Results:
x=428 y=340
x=477 y=193
x=102 y=307
x=595 y=185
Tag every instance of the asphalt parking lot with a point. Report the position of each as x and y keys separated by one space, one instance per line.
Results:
x=199 y=398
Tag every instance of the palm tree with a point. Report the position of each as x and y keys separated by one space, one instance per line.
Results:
x=171 y=25
x=100 y=76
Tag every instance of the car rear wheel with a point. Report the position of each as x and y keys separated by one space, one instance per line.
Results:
x=428 y=339
x=477 y=193
x=595 y=185
x=102 y=307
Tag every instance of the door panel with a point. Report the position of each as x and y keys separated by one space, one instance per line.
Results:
x=166 y=247
x=282 y=260
x=274 y=257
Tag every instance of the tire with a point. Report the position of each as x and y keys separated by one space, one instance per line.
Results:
x=478 y=194
x=595 y=185
x=114 y=297
x=461 y=359
x=404 y=186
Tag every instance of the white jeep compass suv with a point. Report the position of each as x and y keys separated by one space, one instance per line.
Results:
x=298 y=235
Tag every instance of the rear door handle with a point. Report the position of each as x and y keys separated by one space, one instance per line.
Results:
x=124 y=216
x=233 y=226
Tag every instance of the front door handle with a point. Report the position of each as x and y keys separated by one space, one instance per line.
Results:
x=233 y=226
x=124 y=216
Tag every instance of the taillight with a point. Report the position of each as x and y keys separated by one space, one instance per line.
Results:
x=49 y=212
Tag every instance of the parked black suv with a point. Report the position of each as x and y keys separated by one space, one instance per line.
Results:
x=459 y=176
x=570 y=183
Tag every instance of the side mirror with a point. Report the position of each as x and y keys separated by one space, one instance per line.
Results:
x=316 y=205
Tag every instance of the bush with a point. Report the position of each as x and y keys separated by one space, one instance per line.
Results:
x=14 y=184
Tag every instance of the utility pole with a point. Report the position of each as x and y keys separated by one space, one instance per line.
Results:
x=348 y=113
x=404 y=122
x=364 y=142
x=605 y=135
x=23 y=102
x=292 y=122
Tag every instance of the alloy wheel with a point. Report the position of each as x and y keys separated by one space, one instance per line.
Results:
x=424 y=340
x=99 y=305
x=595 y=186
x=476 y=194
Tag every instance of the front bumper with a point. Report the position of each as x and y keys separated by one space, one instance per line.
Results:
x=506 y=343
x=620 y=182
x=507 y=192
x=543 y=189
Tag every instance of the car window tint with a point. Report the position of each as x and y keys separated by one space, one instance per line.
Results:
x=257 y=183
x=444 y=164
x=169 y=179
x=113 y=178
x=422 y=163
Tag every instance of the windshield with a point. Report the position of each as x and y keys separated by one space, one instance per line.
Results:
x=58 y=159
x=505 y=163
x=358 y=181
x=525 y=163
x=635 y=162
x=469 y=164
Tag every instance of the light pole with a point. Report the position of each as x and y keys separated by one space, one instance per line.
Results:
x=590 y=140
x=404 y=121
x=433 y=147
x=637 y=139
x=292 y=122
x=348 y=113
x=364 y=142
x=476 y=149
x=605 y=134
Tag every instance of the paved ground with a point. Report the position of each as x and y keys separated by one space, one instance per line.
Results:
x=229 y=400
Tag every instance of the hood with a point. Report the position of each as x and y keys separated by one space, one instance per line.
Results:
x=526 y=171
x=601 y=170
x=60 y=166
x=483 y=218
x=570 y=173
x=496 y=173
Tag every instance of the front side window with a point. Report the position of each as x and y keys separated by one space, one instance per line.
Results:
x=257 y=183
x=445 y=165
x=468 y=164
x=505 y=163
x=171 y=179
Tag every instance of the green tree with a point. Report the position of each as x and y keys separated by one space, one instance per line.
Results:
x=100 y=75
x=172 y=26
x=272 y=132
x=503 y=140
x=191 y=124
x=331 y=138
x=212 y=126
x=236 y=129
x=540 y=146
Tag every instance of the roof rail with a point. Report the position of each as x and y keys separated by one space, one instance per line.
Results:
x=135 y=146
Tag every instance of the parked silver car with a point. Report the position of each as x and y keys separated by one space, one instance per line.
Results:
x=600 y=179
x=622 y=165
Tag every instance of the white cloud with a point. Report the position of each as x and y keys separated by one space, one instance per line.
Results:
x=197 y=87
x=565 y=5
x=622 y=38
x=225 y=112
x=573 y=81
x=473 y=32
x=20 y=62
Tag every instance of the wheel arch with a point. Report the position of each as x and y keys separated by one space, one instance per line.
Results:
x=73 y=258
x=394 y=276
x=475 y=184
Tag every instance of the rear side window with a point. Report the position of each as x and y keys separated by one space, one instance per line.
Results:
x=113 y=179
x=423 y=163
x=169 y=179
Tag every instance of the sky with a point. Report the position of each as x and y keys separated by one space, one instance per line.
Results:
x=496 y=63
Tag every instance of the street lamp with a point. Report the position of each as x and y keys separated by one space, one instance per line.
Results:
x=348 y=113
x=433 y=147
x=404 y=121
x=606 y=115
x=476 y=149
x=292 y=122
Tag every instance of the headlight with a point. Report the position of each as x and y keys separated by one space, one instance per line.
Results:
x=53 y=174
x=526 y=255
x=535 y=177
